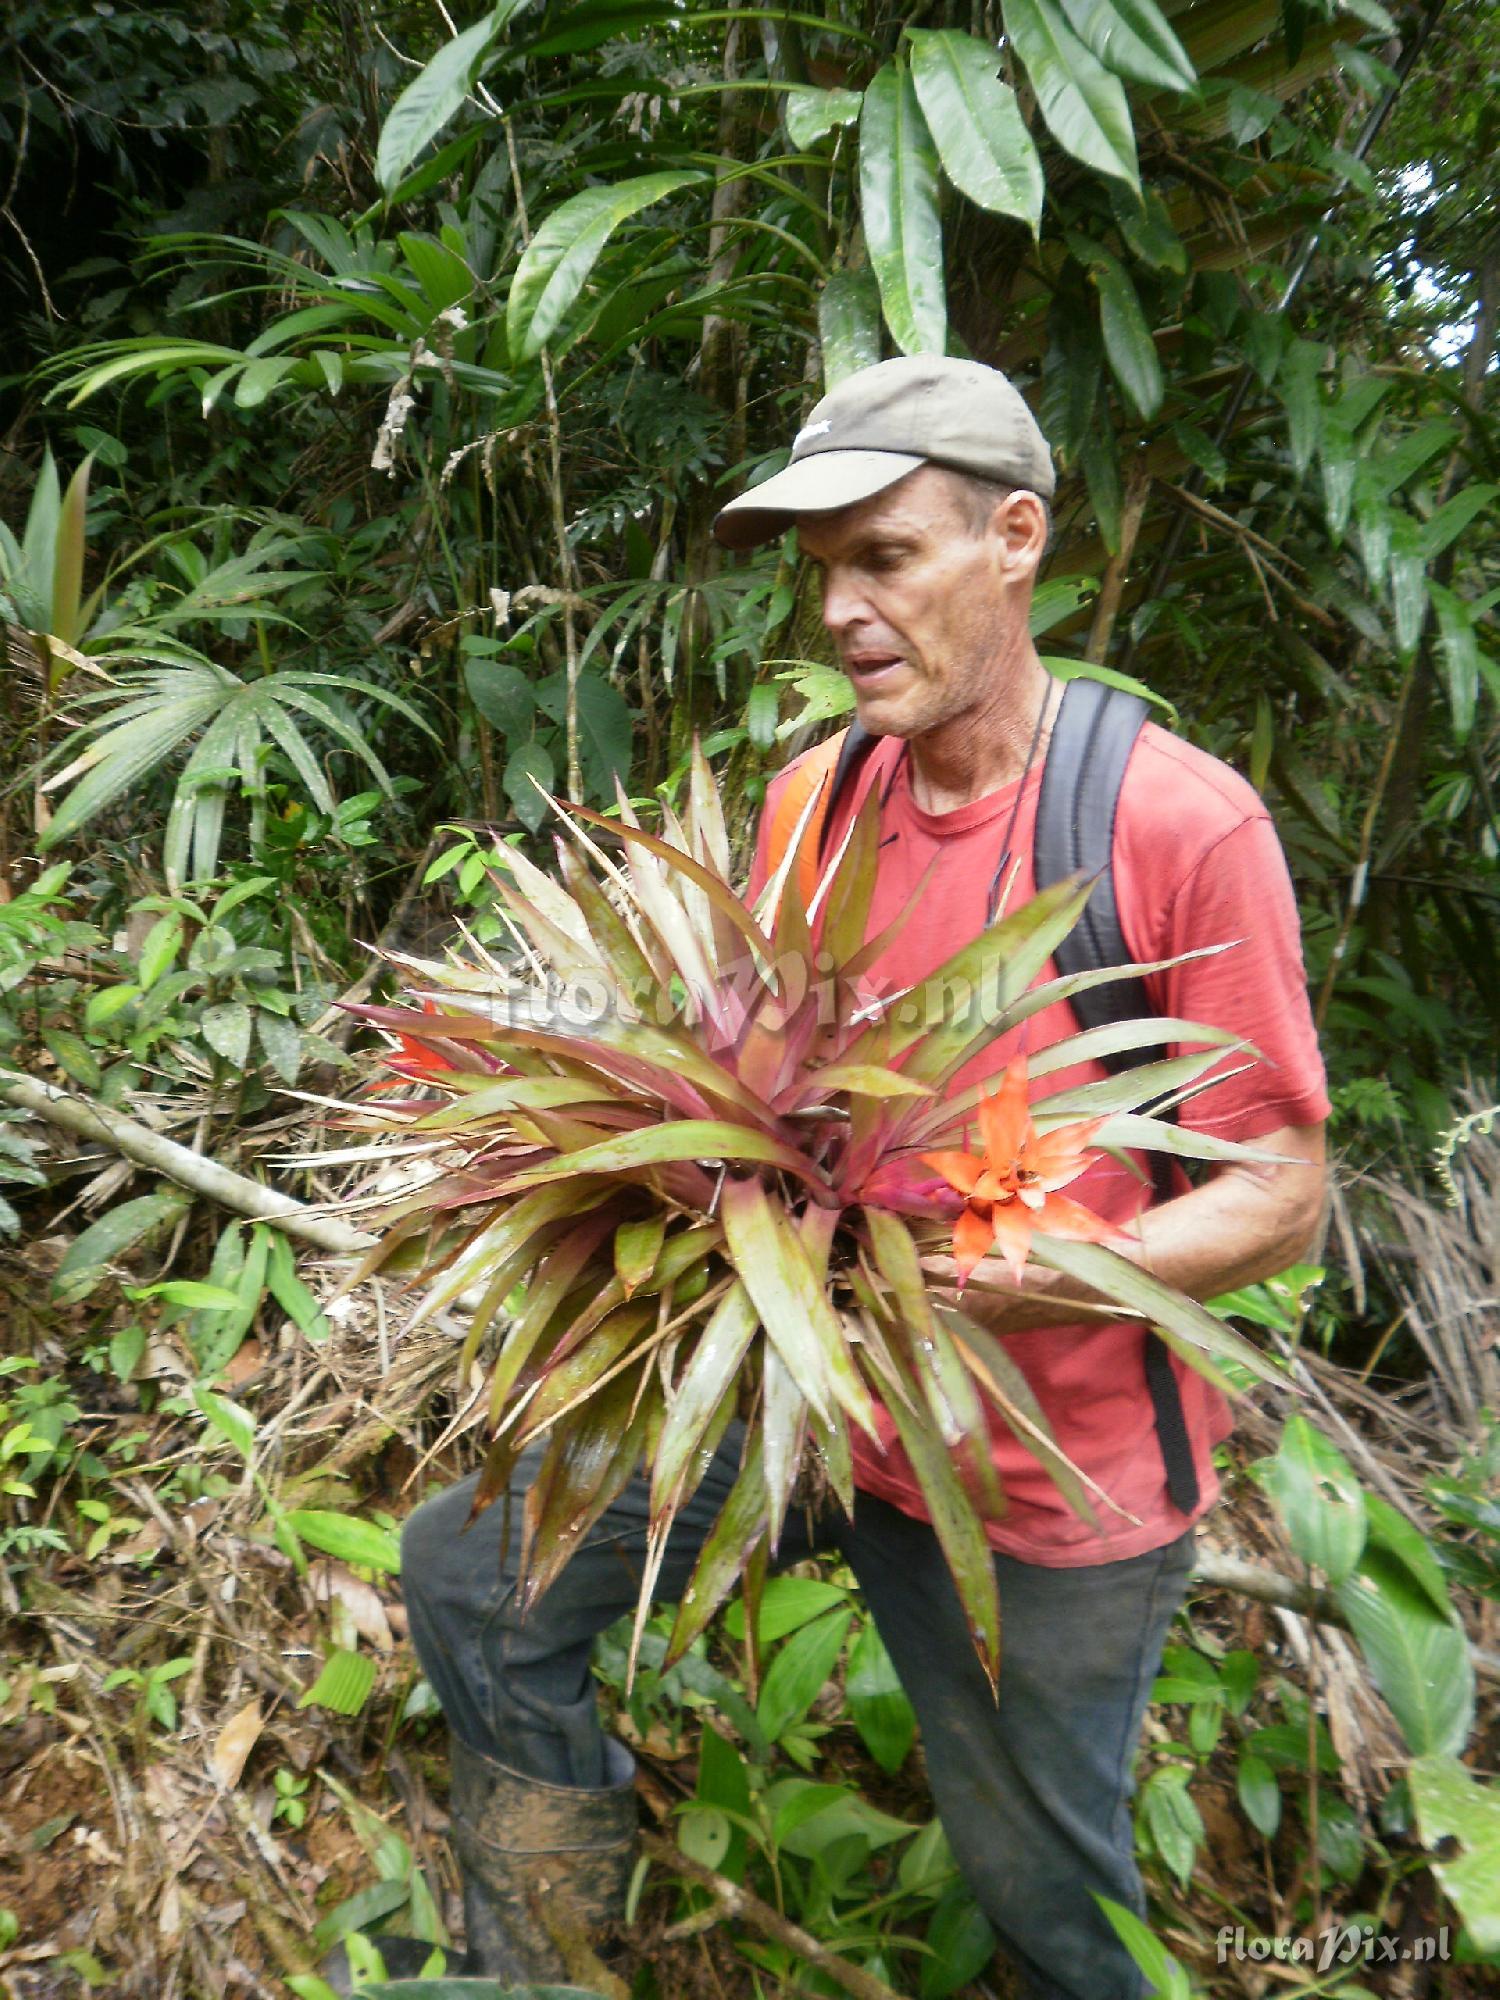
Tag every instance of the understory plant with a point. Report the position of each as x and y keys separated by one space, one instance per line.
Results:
x=690 y=1161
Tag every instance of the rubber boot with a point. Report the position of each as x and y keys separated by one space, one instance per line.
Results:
x=545 y=1867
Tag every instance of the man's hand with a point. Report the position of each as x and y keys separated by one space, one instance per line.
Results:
x=1246 y=1223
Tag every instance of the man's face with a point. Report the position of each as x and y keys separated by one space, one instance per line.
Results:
x=926 y=611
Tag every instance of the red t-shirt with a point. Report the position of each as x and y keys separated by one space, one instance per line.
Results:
x=1196 y=862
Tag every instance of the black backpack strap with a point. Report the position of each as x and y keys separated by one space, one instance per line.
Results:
x=1092 y=739
x=855 y=750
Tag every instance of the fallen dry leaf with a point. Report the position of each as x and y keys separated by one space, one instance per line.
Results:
x=234 y=1743
x=333 y=1582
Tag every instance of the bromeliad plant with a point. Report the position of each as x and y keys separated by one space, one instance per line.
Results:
x=691 y=1163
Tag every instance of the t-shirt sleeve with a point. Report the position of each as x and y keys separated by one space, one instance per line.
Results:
x=1239 y=893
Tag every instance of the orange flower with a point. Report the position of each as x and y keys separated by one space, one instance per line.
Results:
x=415 y=1059
x=1011 y=1189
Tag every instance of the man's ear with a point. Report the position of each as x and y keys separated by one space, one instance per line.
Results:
x=1020 y=525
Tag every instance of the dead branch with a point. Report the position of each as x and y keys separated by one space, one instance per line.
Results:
x=137 y=1142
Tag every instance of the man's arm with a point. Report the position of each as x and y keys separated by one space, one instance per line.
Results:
x=1246 y=1223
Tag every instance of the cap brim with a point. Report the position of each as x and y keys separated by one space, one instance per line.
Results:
x=821 y=483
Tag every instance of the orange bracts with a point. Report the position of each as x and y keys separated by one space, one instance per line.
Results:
x=1011 y=1189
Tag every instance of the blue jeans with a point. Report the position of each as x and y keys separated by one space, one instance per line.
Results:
x=1033 y=1792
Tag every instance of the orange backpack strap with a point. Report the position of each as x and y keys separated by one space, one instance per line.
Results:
x=812 y=772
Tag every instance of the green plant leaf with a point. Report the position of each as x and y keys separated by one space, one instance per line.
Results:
x=1452 y=1805
x=528 y=768
x=555 y=265
x=433 y=97
x=986 y=150
x=1084 y=105
x=502 y=694
x=1128 y=345
x=226 y=1028
x=811 y=114
x=848 y=328
x=1132 y=38
x=87 y=1259
x=1321 y=1503
x=1175 y=1822
x=348 y=1538
x=882 y=1713
x=1419 y=1658
x=800 y=1671
x=898 y=200
x=1259 y=1793
x=345 y=1684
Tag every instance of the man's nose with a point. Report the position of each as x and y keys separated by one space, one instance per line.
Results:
x=843 y=601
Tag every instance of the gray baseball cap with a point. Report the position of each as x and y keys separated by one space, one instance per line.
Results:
x=882 y=423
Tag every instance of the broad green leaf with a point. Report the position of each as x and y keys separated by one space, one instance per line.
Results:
x=1084 y=105
x=1167 y=1978
x=502 y=694
x=344 y=1685
x=1127 y=336
x=604 y=727
x=1132 y=38
x=811 y=113
x=73 y=1056
x=1459 y=651
x=226 y=1028
x=1259 y=1793
x=1297 y=386
x=959 y=1945
x=898 y=201
x=281 y=1043
x=1321 y=1503
x=433 y=97
x=1450 y=520
x=225 y=1416
x=1452 y=1805
x=986 y=150
x=848 y=330
x=1394 y=1533
x=883 y=1715
x=529 y=773
x=786 y=1603
x=1419 y=1658
x=87 y=1259
x=67 y=566
x=1174 y=1820
x=349 y=1539
x=555 y=265
x=800 y=1671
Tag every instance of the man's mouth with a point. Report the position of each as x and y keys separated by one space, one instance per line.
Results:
x=867 y=670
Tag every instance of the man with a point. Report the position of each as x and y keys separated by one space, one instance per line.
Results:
x=919 y=490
